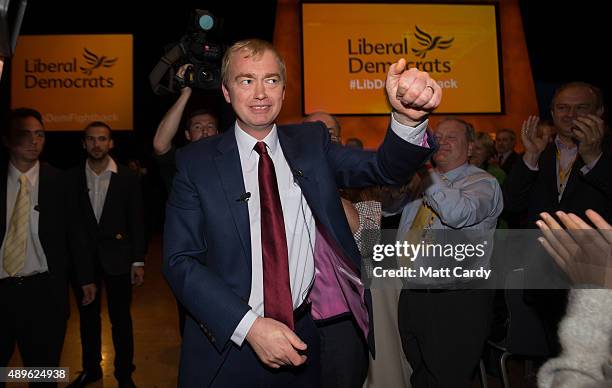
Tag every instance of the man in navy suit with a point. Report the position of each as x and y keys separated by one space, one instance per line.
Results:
x=256 y=243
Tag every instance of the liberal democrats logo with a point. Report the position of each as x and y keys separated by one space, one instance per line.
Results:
x=428 y=43
x=94 y=61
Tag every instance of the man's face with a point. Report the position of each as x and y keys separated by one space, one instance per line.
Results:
x=97 y=142
x=504 y=142
x=330 y=124
x=571 y=103
x=26 y=140
x=201 y=126
x=255 y=90
x=454 y=147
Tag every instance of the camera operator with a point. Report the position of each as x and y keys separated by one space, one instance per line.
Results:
x=200 y=123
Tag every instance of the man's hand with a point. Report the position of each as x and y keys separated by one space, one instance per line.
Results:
x=589 y=131
x=180 y=73
x=137 y=275
x=412 y=93
x=89 y=293
x=275 y=344
x=534 y=144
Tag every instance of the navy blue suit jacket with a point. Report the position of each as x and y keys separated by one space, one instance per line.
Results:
x=207 y=247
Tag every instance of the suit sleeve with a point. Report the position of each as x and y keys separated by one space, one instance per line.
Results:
x=599 y=175
x=393 y=163
x=81 y=257
x=518 y=185
x=214 y=306
x=137 y=220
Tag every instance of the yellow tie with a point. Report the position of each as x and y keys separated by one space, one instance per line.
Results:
x=423 y=219
x=15 y=243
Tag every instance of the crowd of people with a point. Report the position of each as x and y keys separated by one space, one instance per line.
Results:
x=266 y=227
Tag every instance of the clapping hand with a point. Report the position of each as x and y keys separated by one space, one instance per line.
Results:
x=582 y=252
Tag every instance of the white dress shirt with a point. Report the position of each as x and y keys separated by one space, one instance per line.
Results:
x=97 y=185
x=299 y=221
x=35 y=261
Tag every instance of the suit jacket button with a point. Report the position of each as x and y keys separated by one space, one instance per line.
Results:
x=118 y=236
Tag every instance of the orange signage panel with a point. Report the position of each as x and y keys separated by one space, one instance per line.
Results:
x=348 y=48
x=75 y=79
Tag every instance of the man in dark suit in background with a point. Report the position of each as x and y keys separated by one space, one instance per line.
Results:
x=34 y=230
x=109 y=200
x=255 y=211
x=571 y=174
x=505 y=141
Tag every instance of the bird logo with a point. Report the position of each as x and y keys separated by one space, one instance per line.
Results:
x=429 y=43
x=95 y=61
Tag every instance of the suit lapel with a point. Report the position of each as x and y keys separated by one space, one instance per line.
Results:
x=302 y=171
x=83 y=197
x=44 y=198
x=110 y=199
x=550 y=173
x=230 y=173
x=572 y=180
x=4 y=185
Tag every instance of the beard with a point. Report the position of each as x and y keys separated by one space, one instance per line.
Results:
x=97 y=155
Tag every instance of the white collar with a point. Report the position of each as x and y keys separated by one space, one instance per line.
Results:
x=246 y=142
x=31 y=174
x=110 y=166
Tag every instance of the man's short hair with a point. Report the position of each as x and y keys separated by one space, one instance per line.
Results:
x=22 y=113
x=99 y=124
x=470 y=133
x=508 y=131
x=198 y=112
x=358 y=143
x=252 y=48
x=334 y=118
x=577 y=84
x=18 y=114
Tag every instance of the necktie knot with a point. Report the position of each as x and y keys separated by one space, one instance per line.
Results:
x=260 y=148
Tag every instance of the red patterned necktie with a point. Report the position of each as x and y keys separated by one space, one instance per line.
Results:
x=277 y=289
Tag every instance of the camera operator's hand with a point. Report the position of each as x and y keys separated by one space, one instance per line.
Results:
x=169 y=125
x=180 y=74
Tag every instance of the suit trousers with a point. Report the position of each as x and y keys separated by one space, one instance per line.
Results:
x=33 y=320
x=119 y=299
x=344 y=353
x=242 y=367
x=443 y=335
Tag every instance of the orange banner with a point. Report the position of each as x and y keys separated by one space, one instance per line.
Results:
x=75 y=79
x=348 y=48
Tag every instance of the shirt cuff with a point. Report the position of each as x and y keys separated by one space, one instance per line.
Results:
x=138 y=264
x=243 y=327
x=413 y=135
x=588 y=167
